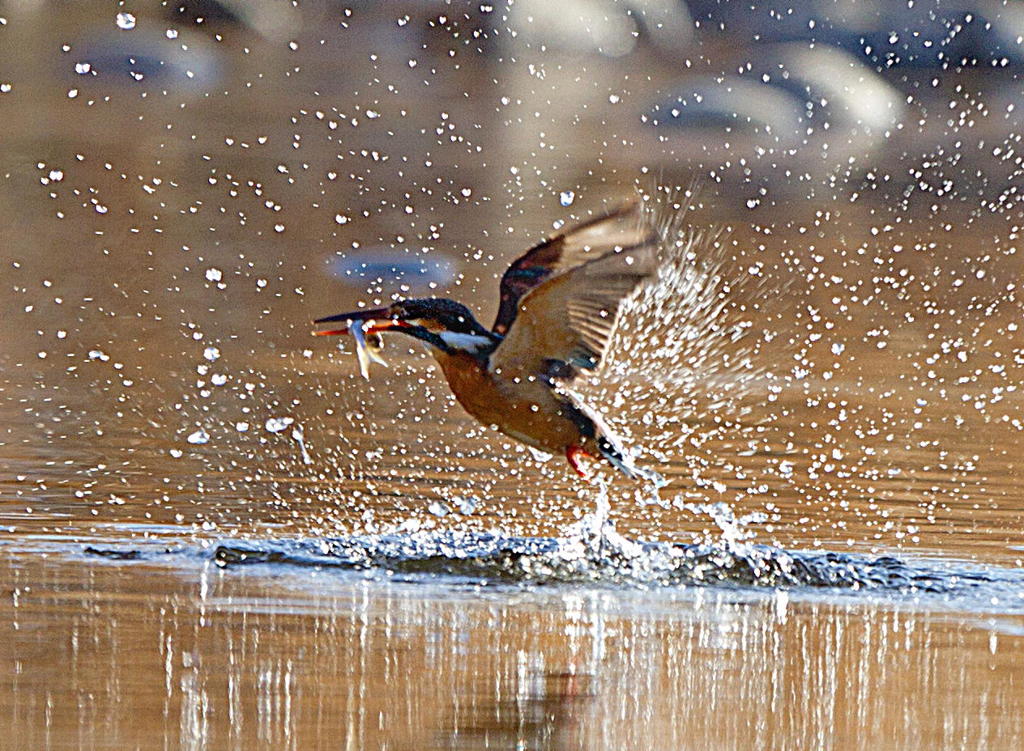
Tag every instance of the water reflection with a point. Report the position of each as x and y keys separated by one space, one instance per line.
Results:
x=111 y=654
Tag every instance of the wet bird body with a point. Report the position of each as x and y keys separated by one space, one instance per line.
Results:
x=559 y=306
x=528 y=411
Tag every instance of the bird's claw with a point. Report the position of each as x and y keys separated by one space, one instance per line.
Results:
x=573 y=454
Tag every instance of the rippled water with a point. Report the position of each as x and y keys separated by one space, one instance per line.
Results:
x=296 y=651
x=215 y=534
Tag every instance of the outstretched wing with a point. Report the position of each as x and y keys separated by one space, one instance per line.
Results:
x=621 y=229
x=564 y=324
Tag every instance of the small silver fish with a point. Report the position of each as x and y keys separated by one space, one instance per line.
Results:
x=367 y=349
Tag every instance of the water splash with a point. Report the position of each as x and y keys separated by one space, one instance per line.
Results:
x=592 y=551
x=695 y=354
x=488 y=558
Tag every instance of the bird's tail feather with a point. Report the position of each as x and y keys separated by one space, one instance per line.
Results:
x=614 y=454
x=593 y=426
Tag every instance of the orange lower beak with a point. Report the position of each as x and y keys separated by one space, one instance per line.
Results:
x=332 y=332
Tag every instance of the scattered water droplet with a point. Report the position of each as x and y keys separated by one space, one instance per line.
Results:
x=466 y=506
x=214 y=274
x=212 y=354
x=566 y=197
x=277 y=424
x=199 y=437
x=299 y=438
x=125 y=21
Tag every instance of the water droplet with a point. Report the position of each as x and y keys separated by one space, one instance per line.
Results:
x=566 y=197
x=125 y=21
x=214 y=274
x=299 y=438
x=82 y=68
x=199 y=437
x=212 y=354
x=466 y=506
x=277 y=424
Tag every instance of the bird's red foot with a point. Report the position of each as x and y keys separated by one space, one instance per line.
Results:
x=573 y=454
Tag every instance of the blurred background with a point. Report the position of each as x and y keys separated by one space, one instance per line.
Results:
x=185 y=186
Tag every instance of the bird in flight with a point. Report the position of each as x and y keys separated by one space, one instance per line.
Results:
x=559 y=306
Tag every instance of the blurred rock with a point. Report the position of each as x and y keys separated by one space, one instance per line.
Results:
x=926 y=33
x=811 y=107
x=393 y=268
x=276 y=21
x=605 y=26
x=726 y=107
x=110 y=57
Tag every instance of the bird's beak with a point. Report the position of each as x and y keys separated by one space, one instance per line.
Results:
x=379 y=319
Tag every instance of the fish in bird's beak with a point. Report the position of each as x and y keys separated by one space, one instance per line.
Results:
x=360 y=324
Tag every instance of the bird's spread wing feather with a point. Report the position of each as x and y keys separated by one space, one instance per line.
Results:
x=564 y=323
x=620 y=229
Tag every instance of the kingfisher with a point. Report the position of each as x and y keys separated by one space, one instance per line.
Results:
x=559 y=306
